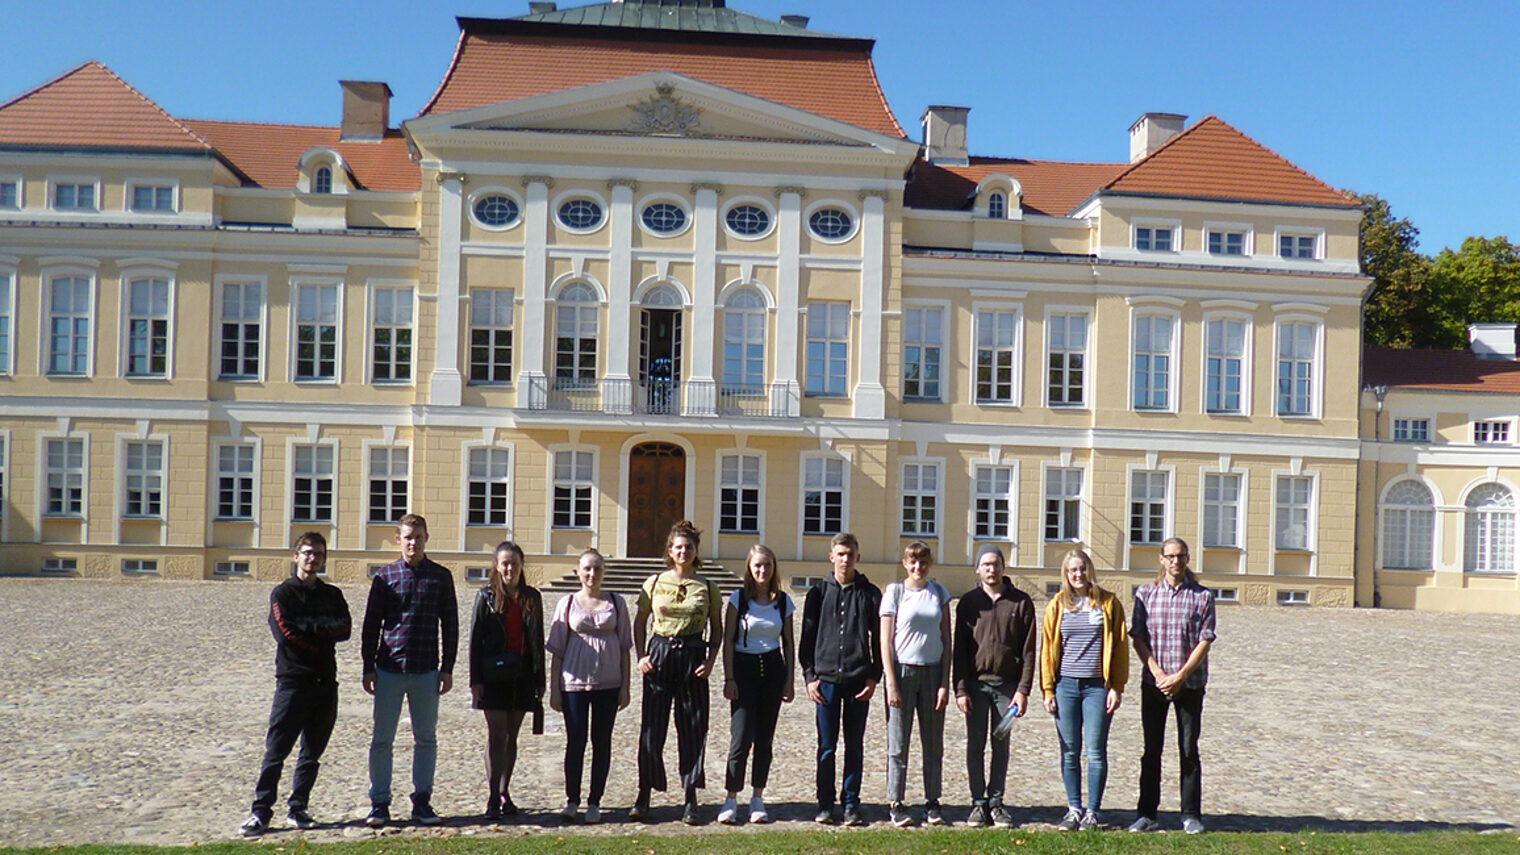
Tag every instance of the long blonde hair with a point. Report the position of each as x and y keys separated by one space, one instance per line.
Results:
x=1068 y=597
x=772 y=585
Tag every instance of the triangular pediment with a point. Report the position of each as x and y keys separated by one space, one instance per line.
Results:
x=660 y=104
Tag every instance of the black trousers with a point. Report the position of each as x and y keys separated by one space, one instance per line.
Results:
x=596 y=711
x=1153 y=706
x=673 y=682
x=304 y=709
x=761 y=677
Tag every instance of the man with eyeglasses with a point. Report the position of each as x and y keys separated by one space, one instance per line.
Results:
x=308 y=618
x=1172 y=630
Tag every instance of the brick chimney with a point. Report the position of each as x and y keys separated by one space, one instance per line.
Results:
x=1152 y=131
x=366 y=110
x=945 y=135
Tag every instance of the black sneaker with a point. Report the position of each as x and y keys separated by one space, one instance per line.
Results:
x=933 y=815
x=1072 y=820
x=978 y=816
x=999 y=815
x=379 y=815
x=423 y=814
x=640 y=810
x=508 y=807
x=899 y=815
x=852 y=816
x=824 y=816
x=300 y=818
x=254 y=825
x=689 y=813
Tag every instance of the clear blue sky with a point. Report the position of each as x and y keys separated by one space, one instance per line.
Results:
x=1416 y=101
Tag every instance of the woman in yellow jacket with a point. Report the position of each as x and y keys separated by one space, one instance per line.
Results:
x=1084 y=664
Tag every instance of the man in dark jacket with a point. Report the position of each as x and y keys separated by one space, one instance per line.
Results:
x=995 y=628
x=841 y=663
x=308 y=618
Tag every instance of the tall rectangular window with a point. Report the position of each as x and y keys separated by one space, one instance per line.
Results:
x=389 y=482
x=490 y=481
x=234 y=482
x=1153 y=362
x=574 y=481
x=312 y=493
x=5 y=323
x=920 y=499
x=72 y=196
x=1147 y=507
x=739 y=493
x=1226 y=348
x=993 y=502
x=65 y=477
x=1227 y=242
x=575 y=338
x=828 y=349
x=744 y=319
x=1063 y=505
x=1411 y=430
x=996 y=357
x=1067 y=336
x=391 y=346
x=69 y=310
x=822 y=495
x=147 y=328
x=491 y=314
x=316 y=332
x=1293 y=495
x=923 y=329
x=1221 y=509
x=1295 y=369
x=1153 y=238
x=153 y=198
x=242 y=329
x=144 y=479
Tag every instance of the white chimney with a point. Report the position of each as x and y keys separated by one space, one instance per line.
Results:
x=945 y=135
x=366 y=110
x=1492 y=341
x=1152 y=131
x=798 y=21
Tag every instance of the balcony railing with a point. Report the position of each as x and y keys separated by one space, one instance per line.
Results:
x=754 y=401
x=574 y=396
x=654 y=397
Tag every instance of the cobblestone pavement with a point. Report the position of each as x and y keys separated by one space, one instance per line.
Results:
x=135 y=712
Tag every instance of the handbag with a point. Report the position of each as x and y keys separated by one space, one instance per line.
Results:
x=504 y=667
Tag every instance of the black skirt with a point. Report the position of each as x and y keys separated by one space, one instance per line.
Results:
x=507 y=695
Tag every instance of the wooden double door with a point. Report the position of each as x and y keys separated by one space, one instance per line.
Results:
x=656 y=496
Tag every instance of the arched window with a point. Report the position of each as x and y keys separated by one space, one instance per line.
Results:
x=576 y=320
x=997 y=205
x=744 y=343
x=1490 y=544
x=321 y=180
x=1409 y=521
x=662 y=297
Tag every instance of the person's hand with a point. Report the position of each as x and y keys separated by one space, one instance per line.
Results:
x=790 y=692
x=866 y=693
x=964 y=703
x=445 y=682
x=1050 y=704
x=368 y=681
x=1169 y=684
x=646 y=664
x=894 y=695
x=703 y=670
x=1022 y=701
x=1115 y=698
x=941 y=699
x=623 y=698
x=815 y=693
x=730 y=689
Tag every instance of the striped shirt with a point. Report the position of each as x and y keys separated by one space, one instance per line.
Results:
x=1082 y=641
x=1173 y=621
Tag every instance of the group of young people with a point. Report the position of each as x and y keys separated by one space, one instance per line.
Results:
x=854 y=639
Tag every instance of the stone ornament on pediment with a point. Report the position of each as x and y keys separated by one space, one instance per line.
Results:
x=664 y=113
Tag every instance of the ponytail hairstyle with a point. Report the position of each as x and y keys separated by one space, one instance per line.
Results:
x=685 y=529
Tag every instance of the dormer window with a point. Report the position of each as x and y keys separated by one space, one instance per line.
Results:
x=321 y=180
x=997 y=205
x=998 y=197
x=74 y=196
x=1153 y=238
x=1227 y=242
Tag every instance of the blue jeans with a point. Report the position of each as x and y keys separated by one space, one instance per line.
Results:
x=421 y=693
x=1081 y=717
x=838 y=705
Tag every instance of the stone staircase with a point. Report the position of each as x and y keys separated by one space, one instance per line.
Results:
x=625 y=576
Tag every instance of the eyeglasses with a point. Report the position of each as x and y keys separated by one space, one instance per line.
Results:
x=1178 y=556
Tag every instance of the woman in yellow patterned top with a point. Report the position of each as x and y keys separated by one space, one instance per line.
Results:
x=675 y=662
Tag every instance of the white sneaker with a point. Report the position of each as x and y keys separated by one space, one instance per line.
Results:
x=593 y=814
x=757 y=814
x=729 y=814
x=570 y=812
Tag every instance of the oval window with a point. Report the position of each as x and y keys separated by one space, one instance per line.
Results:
x=496 y=211
x=664 y=218
x=831 y=223
x=748 y=220
x=580 y=214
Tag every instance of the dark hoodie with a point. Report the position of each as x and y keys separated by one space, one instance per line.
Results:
x=840 y=630
x=308 y=620
x=995 y=639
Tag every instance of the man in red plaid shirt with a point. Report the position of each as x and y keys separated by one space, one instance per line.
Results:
x=1172 y=628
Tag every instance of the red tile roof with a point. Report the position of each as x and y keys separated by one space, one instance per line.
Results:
x=1050 y=187
x=89 y=107
x=1440 y=370
x=267 y=154
x=1213 y=160
x=838 y=82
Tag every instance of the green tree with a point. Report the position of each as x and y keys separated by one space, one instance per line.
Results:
x=1480 y=282
x=1402 y=310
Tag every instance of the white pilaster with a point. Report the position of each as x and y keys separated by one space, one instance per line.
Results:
x=617 y=385
x=532 y=378
x=786 y=392
x=870 y=397
x=447 y=383
x=701 y=389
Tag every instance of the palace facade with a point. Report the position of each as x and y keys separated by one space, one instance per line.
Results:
x=640 y=262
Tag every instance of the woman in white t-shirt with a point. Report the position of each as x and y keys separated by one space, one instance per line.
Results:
x=759 y=655
x=915 y=660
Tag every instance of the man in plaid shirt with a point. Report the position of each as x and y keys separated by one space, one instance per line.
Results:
x=1172 y=628
x=411 y=603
